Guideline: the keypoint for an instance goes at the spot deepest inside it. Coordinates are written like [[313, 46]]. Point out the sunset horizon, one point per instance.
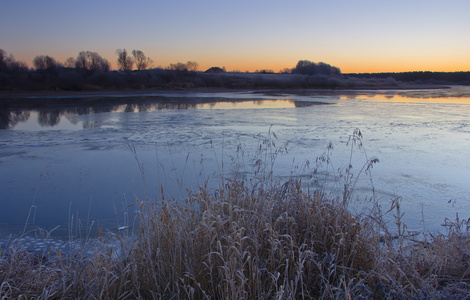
[[265, 149], [360, 37], [235, 65]]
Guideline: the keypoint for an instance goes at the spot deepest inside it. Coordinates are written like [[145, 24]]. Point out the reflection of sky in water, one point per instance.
[[260, 104], [423, 152], [455, 94], [249, 104], [408, 99], [66, 119]]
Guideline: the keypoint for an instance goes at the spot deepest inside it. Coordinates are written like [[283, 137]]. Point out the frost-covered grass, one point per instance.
[[249, 242], [252, 239]]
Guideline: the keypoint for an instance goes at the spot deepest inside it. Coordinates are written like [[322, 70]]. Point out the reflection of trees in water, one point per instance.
[[145, 107], [308, 103], [49, 118], [9, 119], [4, 119], [19, 116], [130, 108], [177, 106], [78, 111], [71, 118], [91, 124]]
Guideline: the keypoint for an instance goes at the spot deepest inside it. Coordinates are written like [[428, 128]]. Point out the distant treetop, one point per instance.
[[142, 62], [215, 70], [9, 64], [124, 61], [91, 61], [307, 67], [45, 63]]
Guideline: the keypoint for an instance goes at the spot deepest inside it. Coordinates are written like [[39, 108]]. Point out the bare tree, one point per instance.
[[45, 63], [12, 65], [81, 61], [69, 62], [3, 64], [192, 66], [142, 62], [178, 67], [188, 66], [91, 61], [95, 61], [8, 63], [125, 62]]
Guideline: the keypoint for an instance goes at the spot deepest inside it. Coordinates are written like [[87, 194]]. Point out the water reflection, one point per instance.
[[408, 98], [423, 149], [11, 118], [456, 94], [49, 112], [49, 118], [60, 112]]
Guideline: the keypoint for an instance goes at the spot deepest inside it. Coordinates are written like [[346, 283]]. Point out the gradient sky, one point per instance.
[[356, 36]]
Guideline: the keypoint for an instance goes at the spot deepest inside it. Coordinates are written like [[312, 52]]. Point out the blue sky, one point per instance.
[[356, 36]]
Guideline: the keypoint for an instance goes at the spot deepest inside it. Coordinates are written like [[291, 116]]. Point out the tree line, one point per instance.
[[90, 71], [420, 77], [93, 62], [9, 64], [89, 61]]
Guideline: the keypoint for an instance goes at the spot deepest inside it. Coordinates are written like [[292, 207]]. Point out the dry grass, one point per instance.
[[253, 241], [249, 242]]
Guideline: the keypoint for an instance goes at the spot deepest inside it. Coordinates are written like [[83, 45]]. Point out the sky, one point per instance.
[[362, 36]]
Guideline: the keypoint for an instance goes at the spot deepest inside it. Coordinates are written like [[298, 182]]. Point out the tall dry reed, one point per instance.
[[257, 240]]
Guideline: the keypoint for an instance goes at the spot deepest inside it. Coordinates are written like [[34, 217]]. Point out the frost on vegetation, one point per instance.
[[255, 239]]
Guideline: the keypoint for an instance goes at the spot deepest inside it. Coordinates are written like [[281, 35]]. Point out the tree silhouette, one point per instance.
[[125, 62], [142, 62], [178, 67], [192, 66], [69, 62], [45, 63], [9, 64], [307, 67], [188, 66], [91, 61], [3, 64]]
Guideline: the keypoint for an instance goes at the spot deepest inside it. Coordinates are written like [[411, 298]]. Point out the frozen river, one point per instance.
[[84, 160]]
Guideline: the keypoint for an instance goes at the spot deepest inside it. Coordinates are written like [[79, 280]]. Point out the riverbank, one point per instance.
[[81, 81], [251, 241], [33, 97], [249, 238]]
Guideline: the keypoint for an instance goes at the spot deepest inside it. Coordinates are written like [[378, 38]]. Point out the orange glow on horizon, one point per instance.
[[276, 65]]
